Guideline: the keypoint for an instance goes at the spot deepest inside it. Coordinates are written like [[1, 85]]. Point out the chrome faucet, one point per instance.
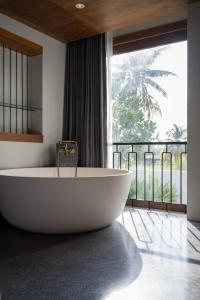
[[66, 148]]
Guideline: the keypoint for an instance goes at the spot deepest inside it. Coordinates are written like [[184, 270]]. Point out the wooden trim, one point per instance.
[[151, 32], [158, 205], [170, 33], [18, 43], [150, 42], [29, 138]]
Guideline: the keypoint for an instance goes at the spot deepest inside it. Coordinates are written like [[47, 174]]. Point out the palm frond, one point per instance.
[[156, 86], [159, 73]]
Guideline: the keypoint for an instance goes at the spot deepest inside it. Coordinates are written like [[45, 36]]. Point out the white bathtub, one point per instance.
[[35, 199]]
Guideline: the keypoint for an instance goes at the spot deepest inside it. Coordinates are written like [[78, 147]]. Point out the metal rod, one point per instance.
[[162, 170], [181, 179], [3, 88], [27, 79], [120, 159], [153, 192], [136, 176], [129, 154], [162, 156], [10, 88], [16, 129], [31, 108], [150, 143], [181, 174], [152, 154], [170, 176], [22, 73], [145, 176]]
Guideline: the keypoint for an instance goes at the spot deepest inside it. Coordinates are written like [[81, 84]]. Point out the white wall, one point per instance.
[[194, 112], [14, 154]]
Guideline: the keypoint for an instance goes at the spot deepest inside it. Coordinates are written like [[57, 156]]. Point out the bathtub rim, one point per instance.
[[119, 172]]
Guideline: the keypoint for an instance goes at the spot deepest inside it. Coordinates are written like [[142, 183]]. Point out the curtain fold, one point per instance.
[[85, 103]]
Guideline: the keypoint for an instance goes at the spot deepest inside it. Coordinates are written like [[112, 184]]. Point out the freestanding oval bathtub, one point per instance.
[[35, 199]]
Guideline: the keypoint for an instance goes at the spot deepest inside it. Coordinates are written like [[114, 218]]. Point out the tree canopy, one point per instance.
[[133, 100]]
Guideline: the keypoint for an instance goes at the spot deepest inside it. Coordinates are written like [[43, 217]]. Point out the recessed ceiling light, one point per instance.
[[80, 5]]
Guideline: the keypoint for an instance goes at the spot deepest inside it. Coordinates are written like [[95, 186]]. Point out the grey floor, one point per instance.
[[143, 255]]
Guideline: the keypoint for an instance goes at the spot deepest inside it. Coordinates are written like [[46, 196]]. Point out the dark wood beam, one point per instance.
[[16, 42], [157, 36]]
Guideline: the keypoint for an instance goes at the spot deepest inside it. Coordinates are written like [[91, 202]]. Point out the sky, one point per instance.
[[174, 107]]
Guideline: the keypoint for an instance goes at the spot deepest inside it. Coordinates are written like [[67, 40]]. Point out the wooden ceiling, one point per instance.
[[61, 20]]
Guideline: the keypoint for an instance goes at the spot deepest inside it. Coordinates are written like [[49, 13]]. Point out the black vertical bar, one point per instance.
[[170, 176], [120, 157], [162, 170], [129, 153], [162, 156], [152, 176], [136, 176], [129, 166], [153, 183], [181, 179], [10, 87], [3, 88], [144, 176], [152, 154], [27, 92], [16, 129], [129, 158], [181, 174], [22, 73]]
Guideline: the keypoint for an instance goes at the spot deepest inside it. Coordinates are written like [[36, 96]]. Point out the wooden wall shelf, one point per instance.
[[18, 43], [29, 138]]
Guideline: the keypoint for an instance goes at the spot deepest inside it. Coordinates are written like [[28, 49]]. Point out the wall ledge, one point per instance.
[[29, 138]]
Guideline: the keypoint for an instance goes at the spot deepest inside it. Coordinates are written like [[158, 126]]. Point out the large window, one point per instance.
[[149, 122], [149, 92]]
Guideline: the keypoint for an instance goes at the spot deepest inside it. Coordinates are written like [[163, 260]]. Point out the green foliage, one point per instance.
[[177, 133], [157, 190], [133, 102], [135, 76], [129, 122]]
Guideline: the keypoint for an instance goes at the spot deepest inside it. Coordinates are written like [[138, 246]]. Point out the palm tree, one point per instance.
[[135, 75], [177, 133]]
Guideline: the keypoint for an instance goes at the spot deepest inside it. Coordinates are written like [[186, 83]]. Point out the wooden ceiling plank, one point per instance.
[[61, 20]]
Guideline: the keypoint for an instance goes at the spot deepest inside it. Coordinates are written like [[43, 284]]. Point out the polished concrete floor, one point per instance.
[[143, 255]]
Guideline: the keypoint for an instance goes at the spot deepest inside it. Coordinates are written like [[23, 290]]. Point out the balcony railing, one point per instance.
[[159, 171]]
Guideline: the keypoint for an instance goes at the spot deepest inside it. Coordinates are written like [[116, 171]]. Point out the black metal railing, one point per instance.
[[159, 170], [14, 91]]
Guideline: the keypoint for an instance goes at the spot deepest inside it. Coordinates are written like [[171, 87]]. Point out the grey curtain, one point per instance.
[[85, 103]]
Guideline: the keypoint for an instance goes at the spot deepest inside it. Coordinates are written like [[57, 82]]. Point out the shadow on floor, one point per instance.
[[79, 266]]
